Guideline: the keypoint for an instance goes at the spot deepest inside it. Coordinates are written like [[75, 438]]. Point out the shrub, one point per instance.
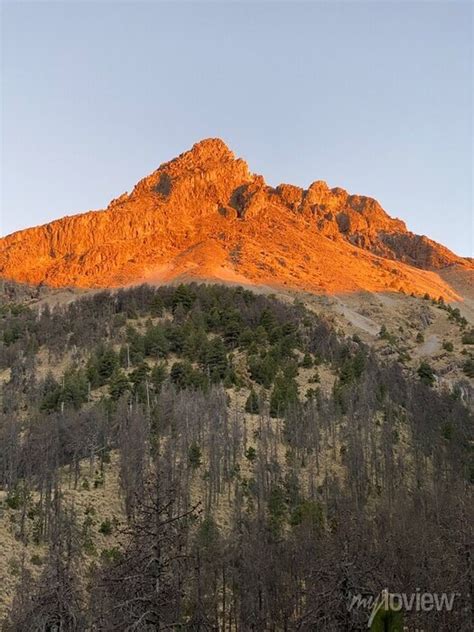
[[447, 431], [468, 367], [384, 334], [106, 527], [448, 346], [455, 315], [251, 454], [112, 555], [468, 337], [14, 566], [404, 356], [13, 499], [426, 374], [309, 512]]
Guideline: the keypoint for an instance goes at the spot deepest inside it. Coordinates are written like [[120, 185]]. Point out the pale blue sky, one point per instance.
[[373, 97]]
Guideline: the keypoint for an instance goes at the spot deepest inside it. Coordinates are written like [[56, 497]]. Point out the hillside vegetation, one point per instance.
[[205, 458]]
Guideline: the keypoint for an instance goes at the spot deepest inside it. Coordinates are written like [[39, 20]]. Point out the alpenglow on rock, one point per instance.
[[204, 215]]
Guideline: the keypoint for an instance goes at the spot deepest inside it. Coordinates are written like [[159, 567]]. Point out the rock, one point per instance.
[[190, 217]]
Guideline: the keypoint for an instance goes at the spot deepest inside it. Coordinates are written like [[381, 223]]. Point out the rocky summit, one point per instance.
[[205, 215]]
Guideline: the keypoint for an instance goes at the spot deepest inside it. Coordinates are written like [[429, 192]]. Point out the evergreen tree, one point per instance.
[[284, 393], [118, 385], [155, 342], [51, 394], [75, 388], [252, 404], [157, 306], [426, 374], [158, 376], [215, 360], [194, 455], [184, 296]]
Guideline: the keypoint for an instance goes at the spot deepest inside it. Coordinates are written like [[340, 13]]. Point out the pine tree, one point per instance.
[[119, 384], [426, 374], [194, 455], [252, 405]]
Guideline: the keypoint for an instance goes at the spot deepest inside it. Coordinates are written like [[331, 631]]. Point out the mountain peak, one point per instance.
[[211, 146], [204, 154], [205, 215], [209, 160]]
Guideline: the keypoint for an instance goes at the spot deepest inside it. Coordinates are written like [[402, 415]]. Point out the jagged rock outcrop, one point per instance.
[[205, 215]]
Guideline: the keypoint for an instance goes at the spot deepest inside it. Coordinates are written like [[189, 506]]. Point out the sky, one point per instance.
[[374, 97]]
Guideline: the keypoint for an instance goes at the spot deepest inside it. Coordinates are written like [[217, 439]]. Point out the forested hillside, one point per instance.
[[205, 458]]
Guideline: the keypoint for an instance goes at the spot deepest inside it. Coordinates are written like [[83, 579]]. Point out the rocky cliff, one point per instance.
[[205, 215]]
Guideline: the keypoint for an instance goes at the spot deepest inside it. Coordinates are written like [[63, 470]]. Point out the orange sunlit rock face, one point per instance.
[[204, 215]]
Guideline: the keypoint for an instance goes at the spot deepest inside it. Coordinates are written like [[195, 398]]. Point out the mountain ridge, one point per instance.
[[205, 215]]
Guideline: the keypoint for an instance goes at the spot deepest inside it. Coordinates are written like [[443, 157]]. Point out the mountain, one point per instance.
[[199, 456], [204, 215]]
